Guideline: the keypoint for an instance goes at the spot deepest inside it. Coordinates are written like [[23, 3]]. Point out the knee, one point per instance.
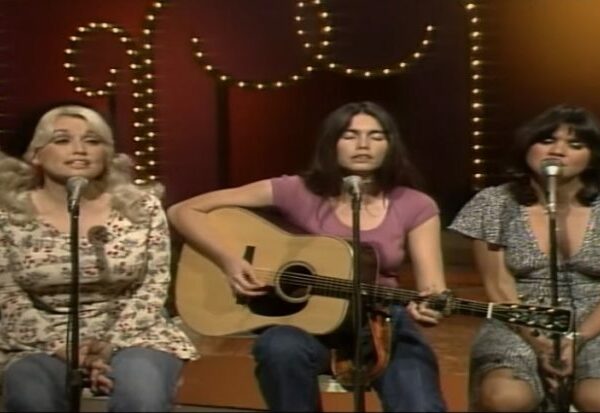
[[145, 380], [587, 398], [280, 343], [506, 399], [24, 379]]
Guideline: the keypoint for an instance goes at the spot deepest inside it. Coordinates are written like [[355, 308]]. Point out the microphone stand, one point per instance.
[[74, 379], [358, 387], [562, 396]]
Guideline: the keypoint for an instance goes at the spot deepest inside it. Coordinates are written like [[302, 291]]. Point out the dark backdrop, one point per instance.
[[535, 54]]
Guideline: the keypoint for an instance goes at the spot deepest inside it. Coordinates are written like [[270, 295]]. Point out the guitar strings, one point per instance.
[[343, 287]]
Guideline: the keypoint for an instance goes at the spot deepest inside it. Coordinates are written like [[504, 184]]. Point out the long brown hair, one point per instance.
[[324, 175]]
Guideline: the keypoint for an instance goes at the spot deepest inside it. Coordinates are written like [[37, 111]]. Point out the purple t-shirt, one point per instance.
[[408, 208]]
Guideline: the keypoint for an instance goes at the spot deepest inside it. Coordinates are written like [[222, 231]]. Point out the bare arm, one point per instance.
[[425, 250], [190, 219], [498, 281], [590, 327], [426, 255]]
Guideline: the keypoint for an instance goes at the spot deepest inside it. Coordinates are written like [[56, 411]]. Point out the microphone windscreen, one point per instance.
[[76, 182], [352, 184], [551, 167]]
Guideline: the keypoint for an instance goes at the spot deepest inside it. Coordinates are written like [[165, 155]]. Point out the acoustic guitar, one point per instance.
[[309, 279]]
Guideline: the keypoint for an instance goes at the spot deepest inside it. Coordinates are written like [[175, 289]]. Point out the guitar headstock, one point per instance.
[[555, 319]]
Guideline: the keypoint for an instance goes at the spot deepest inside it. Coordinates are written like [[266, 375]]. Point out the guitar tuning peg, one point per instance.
[[560, 300], [541, 299], [522, 296]]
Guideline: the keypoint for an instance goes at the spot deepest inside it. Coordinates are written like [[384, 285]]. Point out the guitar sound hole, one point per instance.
[[294, 282], [288, 297]]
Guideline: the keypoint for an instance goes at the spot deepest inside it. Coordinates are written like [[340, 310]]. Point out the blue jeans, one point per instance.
[[144, 380], [289, 361]]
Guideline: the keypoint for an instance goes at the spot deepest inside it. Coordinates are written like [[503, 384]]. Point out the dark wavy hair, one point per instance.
[[324, 175], [584, 125]]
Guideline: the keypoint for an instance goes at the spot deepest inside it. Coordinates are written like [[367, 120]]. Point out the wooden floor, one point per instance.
[[223, 377]]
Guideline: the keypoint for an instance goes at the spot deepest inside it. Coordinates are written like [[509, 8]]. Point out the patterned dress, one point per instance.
[[494, 216], [124, 279]]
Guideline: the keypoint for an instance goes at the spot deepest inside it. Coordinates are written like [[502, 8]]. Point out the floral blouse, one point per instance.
[[124, 279]]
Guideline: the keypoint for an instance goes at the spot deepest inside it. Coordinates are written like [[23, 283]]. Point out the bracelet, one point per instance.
[[572, 335], [578, 340]]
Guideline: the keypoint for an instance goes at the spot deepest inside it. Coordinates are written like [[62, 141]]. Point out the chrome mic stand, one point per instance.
[[563, 392]]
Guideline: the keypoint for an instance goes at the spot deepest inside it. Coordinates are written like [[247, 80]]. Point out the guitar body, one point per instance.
[[205, 300]]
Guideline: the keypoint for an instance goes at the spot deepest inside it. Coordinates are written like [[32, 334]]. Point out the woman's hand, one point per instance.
[[422, 313], [97, 365], [94, 358], [242, 279], [100, 382], [552, 368]]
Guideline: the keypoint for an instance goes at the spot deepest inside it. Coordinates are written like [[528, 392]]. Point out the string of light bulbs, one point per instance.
[[477, 108], [141, 65], [316, 45], [314, 49], [318, 52]]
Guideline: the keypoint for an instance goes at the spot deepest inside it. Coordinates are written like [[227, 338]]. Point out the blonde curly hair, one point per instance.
[[19, 177]]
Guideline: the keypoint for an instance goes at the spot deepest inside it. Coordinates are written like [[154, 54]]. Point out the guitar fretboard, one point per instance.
[[555, 319]]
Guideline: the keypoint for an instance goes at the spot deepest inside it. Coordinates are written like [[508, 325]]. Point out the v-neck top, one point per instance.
[[313, 214], [494, 216]]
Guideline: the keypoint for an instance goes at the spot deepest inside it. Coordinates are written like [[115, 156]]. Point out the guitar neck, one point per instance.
[[554, 319], [373, 293]]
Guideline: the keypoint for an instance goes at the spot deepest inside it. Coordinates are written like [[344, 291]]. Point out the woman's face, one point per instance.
[[73, 150], [362, 147], [564, 146]]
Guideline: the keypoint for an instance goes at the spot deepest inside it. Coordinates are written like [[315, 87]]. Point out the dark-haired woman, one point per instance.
[[511, 369], [356, 139]]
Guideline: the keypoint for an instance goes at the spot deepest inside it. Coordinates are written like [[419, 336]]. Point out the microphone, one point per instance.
[[551, 168], [75, 185], [352, 184]]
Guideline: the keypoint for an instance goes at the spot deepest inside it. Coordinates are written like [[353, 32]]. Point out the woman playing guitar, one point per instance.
[[356, 139]]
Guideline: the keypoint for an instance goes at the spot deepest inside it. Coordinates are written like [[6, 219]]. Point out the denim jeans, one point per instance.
[[288, 361], [144, 380]]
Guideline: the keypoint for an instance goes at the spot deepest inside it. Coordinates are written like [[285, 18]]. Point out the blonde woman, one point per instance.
[[128, 348]]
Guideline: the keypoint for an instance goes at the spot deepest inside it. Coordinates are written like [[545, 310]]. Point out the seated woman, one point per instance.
[[359, 139], [514, 369], [128, 348]]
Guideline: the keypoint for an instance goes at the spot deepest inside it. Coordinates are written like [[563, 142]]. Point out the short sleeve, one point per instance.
[[425, 208], [286, 191], [412, 207], [481, 217]]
